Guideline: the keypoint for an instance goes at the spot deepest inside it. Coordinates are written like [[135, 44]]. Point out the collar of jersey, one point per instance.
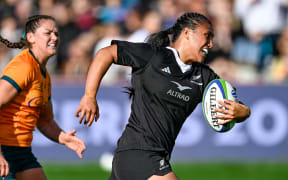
[[43, 72], [184, 67]]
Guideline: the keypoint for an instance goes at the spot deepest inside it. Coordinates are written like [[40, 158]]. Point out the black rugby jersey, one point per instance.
[[163, 96]]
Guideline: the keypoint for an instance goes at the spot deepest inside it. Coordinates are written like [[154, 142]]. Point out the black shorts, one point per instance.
[[139, 164], [19, 159]]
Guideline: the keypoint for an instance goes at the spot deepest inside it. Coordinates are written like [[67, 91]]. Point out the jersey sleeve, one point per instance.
[[208, 76], [17, 74], [136, 55]]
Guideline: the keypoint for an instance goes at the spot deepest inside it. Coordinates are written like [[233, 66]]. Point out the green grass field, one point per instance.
[[196, 171]]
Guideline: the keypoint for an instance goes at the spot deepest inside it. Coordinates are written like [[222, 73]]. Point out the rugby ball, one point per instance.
[[217, 89], [106, 160]]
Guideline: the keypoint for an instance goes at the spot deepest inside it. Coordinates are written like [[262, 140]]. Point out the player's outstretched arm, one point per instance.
[[88, 108], [51, 130], [232, 110]]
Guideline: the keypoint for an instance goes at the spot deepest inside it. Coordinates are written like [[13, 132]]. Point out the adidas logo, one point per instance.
[[166, 69]]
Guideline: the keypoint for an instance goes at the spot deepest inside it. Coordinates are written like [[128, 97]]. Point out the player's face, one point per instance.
[[45, 39], [200, 42]]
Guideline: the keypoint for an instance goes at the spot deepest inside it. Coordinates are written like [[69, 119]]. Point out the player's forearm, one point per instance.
[[244, 112], [46, 124], [101, 63], [51, 130]]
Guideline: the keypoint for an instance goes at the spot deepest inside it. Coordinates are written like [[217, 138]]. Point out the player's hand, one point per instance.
[[72, 142], [89, 110], [231, 110], [4, 167]]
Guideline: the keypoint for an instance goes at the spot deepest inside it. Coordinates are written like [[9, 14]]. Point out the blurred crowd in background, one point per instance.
[[250, 43]]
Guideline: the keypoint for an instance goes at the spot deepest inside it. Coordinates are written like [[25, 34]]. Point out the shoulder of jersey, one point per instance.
[[217, 89], [23, 56], [163, 55], [23, 60], [201, 65]]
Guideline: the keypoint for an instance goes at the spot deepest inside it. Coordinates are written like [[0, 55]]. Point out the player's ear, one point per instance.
[[186, 32], [30, 37]]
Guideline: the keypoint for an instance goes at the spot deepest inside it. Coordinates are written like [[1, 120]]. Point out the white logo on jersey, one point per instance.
[[166, 69], [180, 87], [162, 161], [178, 95], [194, 78], [162, 165]]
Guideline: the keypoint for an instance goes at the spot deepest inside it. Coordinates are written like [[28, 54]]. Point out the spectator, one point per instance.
[[278, 70], [23, 9], [221, 14], [261, 20], [132, 21], [8, 29], [151, 23], [68, 31], [83, 14], [112, 11], [79, 56], [169, 12], [7, 8], [46, 7]]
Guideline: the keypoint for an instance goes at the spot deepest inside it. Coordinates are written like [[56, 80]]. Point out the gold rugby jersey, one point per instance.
[[19, 117]]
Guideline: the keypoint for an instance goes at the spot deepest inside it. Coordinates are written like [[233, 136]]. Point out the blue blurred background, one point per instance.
[[250, 51]]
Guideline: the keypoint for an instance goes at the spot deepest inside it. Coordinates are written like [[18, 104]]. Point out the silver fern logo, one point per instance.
[[194, 80]]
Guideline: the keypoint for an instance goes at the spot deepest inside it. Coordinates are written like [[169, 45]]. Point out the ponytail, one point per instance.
[[160, 39], [22, 43]]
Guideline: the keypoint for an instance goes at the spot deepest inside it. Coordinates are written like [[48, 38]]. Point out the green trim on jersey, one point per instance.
[[11, 81]]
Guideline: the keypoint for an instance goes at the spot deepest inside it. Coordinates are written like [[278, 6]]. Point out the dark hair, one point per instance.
[[31, 25], [130, 91], [190, 20]]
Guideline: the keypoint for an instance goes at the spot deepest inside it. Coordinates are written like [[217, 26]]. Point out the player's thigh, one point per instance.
[[169, 176], [31, 174], [22, 161], [140, 165]]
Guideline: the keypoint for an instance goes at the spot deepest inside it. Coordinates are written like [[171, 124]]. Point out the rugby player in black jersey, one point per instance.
[[168, 81]]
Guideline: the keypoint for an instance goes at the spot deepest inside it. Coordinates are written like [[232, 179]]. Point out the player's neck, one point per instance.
[[39, 58]]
